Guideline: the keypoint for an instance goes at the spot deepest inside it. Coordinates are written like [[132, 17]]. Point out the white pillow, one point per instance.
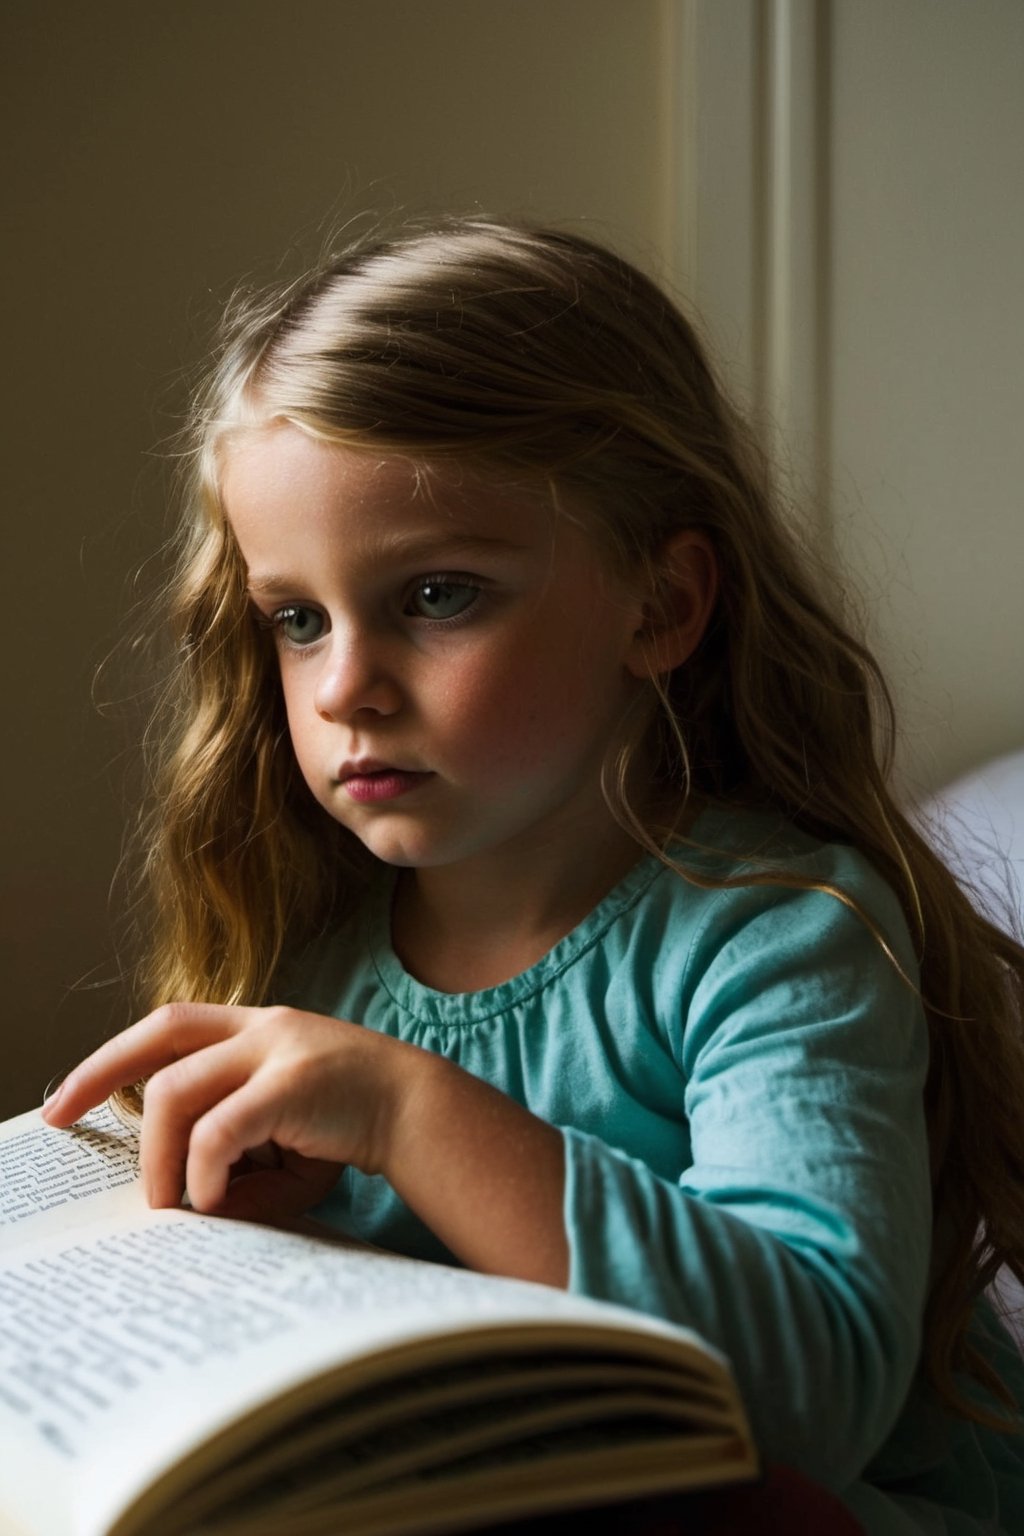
[[977, 824]]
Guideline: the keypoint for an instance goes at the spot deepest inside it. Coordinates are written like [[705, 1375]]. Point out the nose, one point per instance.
[[355, 676]]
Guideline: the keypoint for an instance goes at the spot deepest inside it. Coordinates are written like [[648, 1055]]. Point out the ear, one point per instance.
[[676, 616]]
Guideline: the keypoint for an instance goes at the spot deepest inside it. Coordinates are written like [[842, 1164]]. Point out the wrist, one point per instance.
[[482, 1172], [407, 1114]]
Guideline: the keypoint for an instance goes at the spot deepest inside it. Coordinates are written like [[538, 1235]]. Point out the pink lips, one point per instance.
[[368, 782]]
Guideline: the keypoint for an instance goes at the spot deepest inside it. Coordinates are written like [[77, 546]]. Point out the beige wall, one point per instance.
[[928, 359], [858, 206], [839, 184], [163, 150]]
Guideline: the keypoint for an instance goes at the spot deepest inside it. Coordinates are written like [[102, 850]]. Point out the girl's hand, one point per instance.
[[253, 1111], [226, 1086]]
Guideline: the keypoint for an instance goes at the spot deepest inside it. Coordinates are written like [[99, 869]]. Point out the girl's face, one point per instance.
[[455, 658]]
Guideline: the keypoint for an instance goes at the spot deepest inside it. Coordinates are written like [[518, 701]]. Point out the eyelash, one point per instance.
[[457, 579], [273, 624], [275, 621]]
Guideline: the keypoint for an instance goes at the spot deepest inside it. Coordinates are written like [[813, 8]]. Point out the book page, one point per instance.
[[129, 1344], [51, 1180]]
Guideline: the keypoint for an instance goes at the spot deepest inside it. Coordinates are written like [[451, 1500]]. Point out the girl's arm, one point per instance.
[[796, 1238], [484, 1174]]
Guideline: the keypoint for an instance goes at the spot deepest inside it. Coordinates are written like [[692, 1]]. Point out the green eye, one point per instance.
[[440, 599], [299, 625]]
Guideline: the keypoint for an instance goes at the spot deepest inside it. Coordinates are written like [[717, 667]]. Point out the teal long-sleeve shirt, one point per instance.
[[738, 1078]]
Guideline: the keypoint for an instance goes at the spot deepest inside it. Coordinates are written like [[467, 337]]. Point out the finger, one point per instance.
[[178, 1097], [239, 1120], [164, 1036]]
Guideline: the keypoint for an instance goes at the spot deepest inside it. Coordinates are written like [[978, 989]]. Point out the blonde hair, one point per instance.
[[536, 354]]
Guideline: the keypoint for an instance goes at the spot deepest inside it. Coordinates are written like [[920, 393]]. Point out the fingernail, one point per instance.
[[51, 1103]]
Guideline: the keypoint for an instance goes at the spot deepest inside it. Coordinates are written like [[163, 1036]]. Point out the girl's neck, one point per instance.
[[462, 929]]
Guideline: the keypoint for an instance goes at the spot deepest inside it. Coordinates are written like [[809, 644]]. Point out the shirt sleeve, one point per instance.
[[797, 1240]]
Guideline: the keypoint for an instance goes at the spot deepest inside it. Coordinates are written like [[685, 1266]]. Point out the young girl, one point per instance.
[[527, 886]]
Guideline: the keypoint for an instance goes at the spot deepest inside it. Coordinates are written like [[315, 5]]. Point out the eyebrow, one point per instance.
[[407, 549]]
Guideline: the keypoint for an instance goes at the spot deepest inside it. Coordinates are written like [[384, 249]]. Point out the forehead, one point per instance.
[[272, 463], [277, 480]]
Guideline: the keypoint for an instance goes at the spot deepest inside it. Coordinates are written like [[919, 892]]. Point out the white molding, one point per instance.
[[791, 387], [747, 222], [775, 385]]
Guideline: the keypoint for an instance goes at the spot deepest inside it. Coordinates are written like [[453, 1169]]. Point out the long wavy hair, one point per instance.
[[539, 355]]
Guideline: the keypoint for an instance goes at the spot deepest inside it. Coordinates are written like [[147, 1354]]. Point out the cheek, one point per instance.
[[518, 708]]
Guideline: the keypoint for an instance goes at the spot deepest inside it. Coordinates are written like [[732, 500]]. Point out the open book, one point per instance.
[[163, 1372]]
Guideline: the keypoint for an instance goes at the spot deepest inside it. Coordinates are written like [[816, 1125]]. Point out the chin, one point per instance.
[[411, 853], [404, 853]]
